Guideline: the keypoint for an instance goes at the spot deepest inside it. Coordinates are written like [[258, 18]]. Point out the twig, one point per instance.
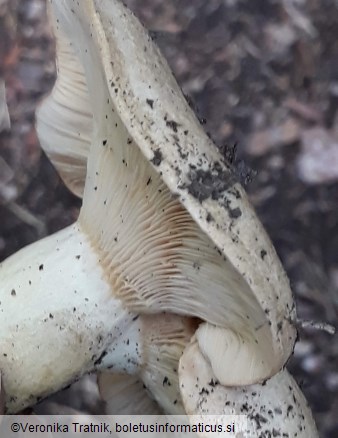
[[316, 325], [27, 217]]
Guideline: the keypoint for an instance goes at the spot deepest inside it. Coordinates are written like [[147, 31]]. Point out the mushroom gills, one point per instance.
[[155, 253], [126, 395], [164, 339], [164, 238], [64, 120]]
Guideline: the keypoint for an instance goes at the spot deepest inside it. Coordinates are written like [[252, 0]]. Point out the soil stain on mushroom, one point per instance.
[[157, 158], [212, 183]]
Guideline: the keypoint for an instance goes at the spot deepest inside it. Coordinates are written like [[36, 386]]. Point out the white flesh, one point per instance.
[[58, 318]]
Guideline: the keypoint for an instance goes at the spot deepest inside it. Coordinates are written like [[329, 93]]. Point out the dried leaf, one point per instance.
[[318, 161]]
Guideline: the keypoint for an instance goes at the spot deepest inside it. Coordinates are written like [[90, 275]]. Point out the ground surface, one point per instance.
[[264, 75]]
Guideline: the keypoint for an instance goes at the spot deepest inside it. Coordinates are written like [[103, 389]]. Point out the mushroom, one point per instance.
[[167, 259], [275, 407]]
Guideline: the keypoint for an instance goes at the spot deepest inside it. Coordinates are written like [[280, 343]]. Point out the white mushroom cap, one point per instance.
[[209, 241], [234, 357], [274, 408], [170, 228]]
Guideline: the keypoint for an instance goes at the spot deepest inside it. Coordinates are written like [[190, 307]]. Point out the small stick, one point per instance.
[[27, 217], [316, 325]]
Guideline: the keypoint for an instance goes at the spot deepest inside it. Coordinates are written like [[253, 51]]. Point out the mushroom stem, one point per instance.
[[59, 319]]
